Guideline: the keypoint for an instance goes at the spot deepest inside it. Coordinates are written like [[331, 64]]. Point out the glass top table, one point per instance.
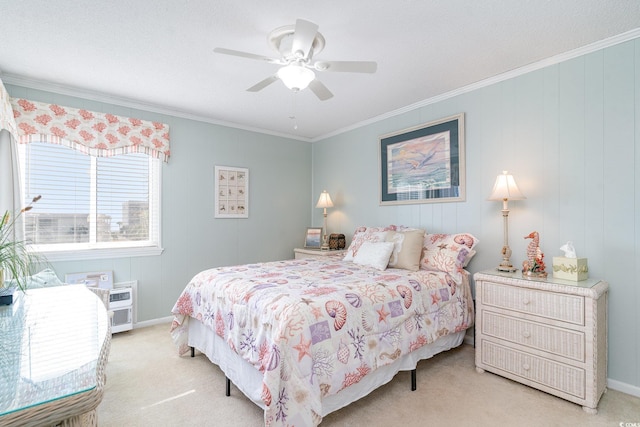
[[52, 341]]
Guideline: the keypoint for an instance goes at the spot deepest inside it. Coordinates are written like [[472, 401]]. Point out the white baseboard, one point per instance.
[[153, 322], [623, 387]]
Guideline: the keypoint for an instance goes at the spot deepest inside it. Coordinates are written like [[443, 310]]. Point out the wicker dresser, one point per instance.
[[549, 334]]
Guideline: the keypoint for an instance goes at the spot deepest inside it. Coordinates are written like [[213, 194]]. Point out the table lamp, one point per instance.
[[324, 202], [505, 189]]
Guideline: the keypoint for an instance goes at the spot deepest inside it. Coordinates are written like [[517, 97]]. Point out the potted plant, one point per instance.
[[16, 261]]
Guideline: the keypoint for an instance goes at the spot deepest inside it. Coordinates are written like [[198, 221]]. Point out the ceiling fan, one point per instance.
[[297, 44]]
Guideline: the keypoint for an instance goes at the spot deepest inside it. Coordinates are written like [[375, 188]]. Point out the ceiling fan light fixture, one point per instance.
[[295, 76]]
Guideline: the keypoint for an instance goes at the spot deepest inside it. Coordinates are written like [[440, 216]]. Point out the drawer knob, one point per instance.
[[526, 334], [526, 366], [526, 301]]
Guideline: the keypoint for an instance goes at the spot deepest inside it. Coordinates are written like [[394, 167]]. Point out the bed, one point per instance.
[[303, 338]]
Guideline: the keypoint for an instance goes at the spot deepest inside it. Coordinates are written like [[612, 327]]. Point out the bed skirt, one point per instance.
[[249, 380]]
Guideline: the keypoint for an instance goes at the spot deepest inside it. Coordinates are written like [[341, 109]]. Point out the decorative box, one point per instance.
[[336, 241], [575, 269]]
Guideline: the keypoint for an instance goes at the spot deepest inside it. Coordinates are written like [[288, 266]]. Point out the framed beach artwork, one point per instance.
[[424, 164], [313, 238], [232, 192]]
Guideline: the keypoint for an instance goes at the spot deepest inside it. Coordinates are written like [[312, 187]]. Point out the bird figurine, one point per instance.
[[534, 264]]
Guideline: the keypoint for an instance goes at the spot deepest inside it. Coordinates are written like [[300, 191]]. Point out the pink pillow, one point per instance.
[[365, 234], [448, 252]]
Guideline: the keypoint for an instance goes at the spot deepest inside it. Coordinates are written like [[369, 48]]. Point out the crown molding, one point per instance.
[[553, 60], [30, 83], [129, 103]]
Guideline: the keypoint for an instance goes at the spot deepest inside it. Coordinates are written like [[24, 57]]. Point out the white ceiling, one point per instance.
[[158, 54]]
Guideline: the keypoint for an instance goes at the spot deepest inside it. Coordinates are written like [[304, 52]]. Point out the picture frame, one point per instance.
[[96, 279], [313, 238], [423, 164], [231, 192]]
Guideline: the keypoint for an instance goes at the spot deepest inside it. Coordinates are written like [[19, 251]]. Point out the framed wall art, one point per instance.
[[423, 164], [232, 192], [313, 238]]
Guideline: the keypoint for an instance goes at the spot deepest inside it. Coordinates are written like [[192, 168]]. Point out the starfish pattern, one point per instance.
[[435, 297], [382, 315], [303, 348]]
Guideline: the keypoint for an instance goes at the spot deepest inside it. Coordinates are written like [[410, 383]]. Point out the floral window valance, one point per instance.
[[96, 134]]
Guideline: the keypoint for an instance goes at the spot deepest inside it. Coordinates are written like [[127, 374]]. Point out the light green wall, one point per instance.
[[570, 134], [193, 240]]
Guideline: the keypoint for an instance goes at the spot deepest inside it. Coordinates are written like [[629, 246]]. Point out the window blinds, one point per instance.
[[90, 201]]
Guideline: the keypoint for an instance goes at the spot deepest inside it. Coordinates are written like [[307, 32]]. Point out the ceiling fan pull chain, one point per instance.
[[293, 109]]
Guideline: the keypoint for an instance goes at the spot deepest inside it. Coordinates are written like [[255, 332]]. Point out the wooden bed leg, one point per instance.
[[193, 352], [228, 391], [413, 380]]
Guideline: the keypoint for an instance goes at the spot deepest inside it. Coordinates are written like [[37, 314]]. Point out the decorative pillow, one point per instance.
[[374, 255], [469, 256], [44, 279], [407, 248], [365, 234], [448, 252]]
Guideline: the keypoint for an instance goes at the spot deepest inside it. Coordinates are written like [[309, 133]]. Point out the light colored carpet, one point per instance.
[[149, 385]]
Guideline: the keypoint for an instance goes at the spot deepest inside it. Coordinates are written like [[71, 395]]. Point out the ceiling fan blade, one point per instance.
[[246, 55], [262, 84], [303, 36], [320, 90], [347, 66]]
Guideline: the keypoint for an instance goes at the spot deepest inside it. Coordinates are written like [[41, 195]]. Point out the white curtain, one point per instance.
[[10, 197]]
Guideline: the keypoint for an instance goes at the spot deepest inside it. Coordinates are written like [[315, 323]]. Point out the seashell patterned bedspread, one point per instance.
[[314, 327]]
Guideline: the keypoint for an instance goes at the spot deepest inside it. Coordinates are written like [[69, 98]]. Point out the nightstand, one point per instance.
[[300, 253], [549, 334]]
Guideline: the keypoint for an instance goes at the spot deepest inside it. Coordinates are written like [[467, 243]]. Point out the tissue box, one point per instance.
[[575, 269]]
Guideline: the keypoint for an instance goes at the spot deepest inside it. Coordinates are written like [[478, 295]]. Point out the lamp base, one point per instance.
[[505, 265], [325, 243]]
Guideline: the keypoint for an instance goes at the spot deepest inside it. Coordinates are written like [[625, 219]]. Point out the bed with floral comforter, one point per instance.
[[315, 327]]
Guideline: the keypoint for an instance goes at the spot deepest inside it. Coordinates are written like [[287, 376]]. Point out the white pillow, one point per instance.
[[374, 255]]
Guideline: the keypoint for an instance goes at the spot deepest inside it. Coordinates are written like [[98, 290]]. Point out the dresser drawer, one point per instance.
[[563, 307], [562, 342], [557, 376]]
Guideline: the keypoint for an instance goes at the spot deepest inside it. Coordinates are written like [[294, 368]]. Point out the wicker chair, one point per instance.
[[64, 412], [103, 294]]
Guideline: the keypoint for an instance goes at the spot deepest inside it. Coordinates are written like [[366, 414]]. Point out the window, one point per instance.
[[100, 206]]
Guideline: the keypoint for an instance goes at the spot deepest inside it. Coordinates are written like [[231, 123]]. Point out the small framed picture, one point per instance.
[[231, 192], [313, 238]]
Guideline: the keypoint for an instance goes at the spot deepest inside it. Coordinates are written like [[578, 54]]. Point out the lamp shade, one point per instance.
[[505, 188], [295, 76], [324, 201]]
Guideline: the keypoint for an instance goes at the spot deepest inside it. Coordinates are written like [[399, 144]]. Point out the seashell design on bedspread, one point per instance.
[[313, 327]]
